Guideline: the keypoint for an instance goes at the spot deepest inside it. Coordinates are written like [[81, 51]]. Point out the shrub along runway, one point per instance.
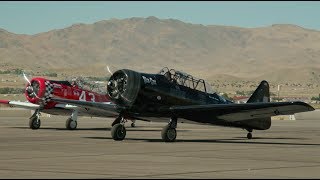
[[290, 149]]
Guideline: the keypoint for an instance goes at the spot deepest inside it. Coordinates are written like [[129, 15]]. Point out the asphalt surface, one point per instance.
[[290, 149]]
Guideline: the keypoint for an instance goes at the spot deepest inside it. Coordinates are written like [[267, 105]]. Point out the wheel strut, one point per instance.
[[34, 122]]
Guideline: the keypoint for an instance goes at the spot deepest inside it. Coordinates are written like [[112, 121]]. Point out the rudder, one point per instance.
[[261, 94]]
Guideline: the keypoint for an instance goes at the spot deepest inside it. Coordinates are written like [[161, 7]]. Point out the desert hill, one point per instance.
[[281, 52]]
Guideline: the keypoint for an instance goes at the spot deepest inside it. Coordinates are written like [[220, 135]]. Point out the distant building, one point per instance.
[[240, 99]]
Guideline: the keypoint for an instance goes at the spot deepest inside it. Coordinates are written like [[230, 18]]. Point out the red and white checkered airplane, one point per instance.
[[39, 92]]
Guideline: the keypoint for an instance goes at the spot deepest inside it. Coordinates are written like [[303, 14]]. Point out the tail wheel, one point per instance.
[[168, 134], [71, 124], [118, 132], [34, 123]]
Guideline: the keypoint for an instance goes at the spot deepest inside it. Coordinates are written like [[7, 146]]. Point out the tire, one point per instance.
[[133, 125], [249, 136], [168, 134], [34, 123], [118, 132], [71, 124]]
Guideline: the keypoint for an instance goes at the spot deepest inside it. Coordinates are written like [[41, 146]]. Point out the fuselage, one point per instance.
[[157, 93], [44, 89], [150, 96]]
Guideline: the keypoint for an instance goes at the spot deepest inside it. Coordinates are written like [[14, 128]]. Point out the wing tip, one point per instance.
[[308, 106], [4, 101]]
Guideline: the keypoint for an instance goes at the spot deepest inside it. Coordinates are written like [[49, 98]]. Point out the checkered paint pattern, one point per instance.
[[48, 93]]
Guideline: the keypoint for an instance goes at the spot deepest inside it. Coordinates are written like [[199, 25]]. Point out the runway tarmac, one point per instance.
[[290, 149]]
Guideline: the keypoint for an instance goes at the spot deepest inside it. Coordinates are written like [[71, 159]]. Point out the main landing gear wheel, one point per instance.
[[249, 135], [133, 125], [71, 124], [118, 132], [168, 134], [34, 123]]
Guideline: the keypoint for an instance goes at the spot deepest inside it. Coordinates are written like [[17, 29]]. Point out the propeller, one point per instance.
[[117, 85], [25, 77], [109, 70], [33, 88]]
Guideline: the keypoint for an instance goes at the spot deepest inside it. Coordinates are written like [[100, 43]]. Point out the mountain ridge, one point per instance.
[[148, 44]]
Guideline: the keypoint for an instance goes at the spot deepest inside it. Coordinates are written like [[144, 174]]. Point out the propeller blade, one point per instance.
[[31, 88], [25, 77], [109, 70]]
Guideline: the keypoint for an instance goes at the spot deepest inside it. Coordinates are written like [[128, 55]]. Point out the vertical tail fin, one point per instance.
[[261, 94]]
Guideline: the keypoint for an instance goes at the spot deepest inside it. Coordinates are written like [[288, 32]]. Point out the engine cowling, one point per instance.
[[39, 91], [124, 86]]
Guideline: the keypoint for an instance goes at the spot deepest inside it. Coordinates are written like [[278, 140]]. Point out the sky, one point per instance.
[[32, 17]]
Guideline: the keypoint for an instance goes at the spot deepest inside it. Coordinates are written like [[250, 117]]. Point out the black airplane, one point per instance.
[[172, 95]]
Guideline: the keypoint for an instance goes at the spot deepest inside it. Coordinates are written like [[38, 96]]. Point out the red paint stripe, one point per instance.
[[4, 101]]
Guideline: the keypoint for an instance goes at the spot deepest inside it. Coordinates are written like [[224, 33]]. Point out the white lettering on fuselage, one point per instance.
[[149, 81], [82, 97], [92, 97]]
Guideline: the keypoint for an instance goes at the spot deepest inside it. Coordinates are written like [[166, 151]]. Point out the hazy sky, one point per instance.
[[35, 17]]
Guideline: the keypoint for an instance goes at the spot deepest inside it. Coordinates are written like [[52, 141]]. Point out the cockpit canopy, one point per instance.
[[186, 80], [87, 84]]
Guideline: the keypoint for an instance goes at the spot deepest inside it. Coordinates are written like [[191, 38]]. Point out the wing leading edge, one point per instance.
[[107, 107], [26, 105]]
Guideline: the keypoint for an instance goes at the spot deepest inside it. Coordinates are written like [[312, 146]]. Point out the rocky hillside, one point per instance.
[[278, 52]]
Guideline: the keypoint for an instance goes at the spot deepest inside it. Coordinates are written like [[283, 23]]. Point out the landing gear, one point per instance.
[[116, 121], [34, 122], [133, 124], [249, 135], [169, 132], [71, 123], [118, 131]]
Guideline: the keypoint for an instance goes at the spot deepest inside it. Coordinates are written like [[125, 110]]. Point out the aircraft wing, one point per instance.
[[108, 107], [89, 109], [26, 105], [239, 112], [228, 112]]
